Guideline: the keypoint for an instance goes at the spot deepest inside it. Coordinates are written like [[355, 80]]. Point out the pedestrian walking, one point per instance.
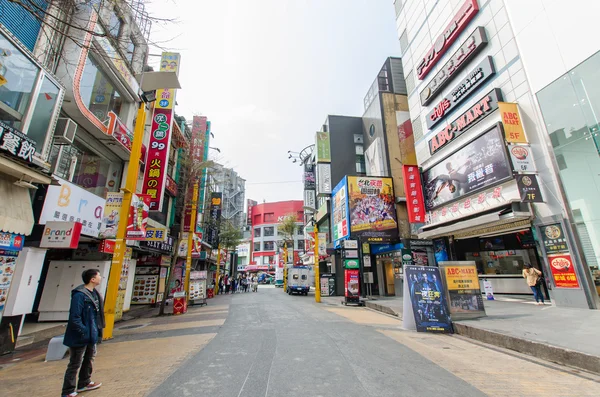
[[534, 279], [84, 331], [227, 284], [221, 285], [233, 285]]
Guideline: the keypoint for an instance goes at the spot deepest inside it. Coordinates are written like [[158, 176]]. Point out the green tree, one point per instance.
[[229, 236], [287, 228]]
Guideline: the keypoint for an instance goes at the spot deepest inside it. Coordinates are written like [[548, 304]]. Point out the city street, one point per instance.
[[272, 344]]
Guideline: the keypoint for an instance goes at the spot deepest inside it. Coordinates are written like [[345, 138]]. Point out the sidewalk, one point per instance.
[[566, 336]]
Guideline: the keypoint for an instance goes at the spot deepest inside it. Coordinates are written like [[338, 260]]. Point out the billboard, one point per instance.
[[479, 164], [324, 179], [216, 206], [323, 147], [310, 181], [157, 160], [339, 210], [250, 204], [372, 209]]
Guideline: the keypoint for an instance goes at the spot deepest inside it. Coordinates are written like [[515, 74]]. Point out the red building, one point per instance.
[[266, 218]]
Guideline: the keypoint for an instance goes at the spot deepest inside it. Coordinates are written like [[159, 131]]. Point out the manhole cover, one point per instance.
[[133, 326]]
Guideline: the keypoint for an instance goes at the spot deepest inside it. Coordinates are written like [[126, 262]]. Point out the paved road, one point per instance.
[[273, 344]]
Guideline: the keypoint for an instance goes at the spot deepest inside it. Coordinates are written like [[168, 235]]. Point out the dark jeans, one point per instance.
[[81, 359], [537, 293]]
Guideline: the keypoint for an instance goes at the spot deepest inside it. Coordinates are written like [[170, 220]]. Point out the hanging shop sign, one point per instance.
[[61, 235], [322, 246], [467, 51], [16, 143], [155, 234], [513, 126], [322, 211], [310, 181], [250, 203], [461, 92], [137, 220], [529, 188], [554, 239], [157, 160], [117, 129], [427, 299], [310, 200], [107, 246], [351, 263], [351, 254], [340, 211], [521, 157], [214, 216], [323, 179], [366, 261], [323, 147], [372, 209], [460, 21], [164, 246], [169, 62], [11, 241], [414, 193], [563, 271], [377, 249], [473, 204], [484, 107], [479, 164], [70, 203], [351, 244], [171, 186], [110, 219]]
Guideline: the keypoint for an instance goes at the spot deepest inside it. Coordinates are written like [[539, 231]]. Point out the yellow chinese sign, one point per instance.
[[513, 126], [169, 62], [462, 278]]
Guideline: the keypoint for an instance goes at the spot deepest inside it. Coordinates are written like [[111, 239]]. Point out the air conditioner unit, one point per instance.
[[65, 131]]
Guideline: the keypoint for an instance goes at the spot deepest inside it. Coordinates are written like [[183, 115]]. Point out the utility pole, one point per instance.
[[317, 278], [190, 242], [218, 268]]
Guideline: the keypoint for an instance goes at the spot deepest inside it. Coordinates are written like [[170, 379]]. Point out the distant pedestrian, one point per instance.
[[233, 285], [84, 330], [227, 284], [221, 285], [534, 279]]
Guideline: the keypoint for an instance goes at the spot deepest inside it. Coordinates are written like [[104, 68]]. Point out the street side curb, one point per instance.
[[536, 349], [381, 308]]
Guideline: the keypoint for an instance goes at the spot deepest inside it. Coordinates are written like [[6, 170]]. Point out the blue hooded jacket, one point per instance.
[[86, 318]]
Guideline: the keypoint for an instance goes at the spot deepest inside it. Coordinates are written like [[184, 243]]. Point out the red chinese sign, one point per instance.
[[414, 194], [563, 271], [460, 21], [171, 186], [157, 162], [107, 246], [138, 217]]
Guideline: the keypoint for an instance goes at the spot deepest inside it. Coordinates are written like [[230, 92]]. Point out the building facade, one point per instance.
[[505, 138], [227, 181]]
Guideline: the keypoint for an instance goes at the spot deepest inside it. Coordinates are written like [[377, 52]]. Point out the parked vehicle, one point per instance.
[[298, 280]]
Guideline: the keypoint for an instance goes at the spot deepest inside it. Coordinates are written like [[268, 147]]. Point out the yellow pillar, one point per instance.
[[190, 247], [112, 288], [317, 278]]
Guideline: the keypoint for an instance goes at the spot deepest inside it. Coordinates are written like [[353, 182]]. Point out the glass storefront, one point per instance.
[[571, 111], [97, 91]]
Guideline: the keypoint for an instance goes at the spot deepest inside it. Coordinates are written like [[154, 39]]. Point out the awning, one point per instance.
[[16, 214], [495, 223], [21, 172]]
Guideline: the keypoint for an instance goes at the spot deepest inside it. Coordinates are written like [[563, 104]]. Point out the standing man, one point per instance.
[[84, 330]]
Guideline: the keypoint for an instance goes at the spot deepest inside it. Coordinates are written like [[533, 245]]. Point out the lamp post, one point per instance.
[[317, 275], [153, 81]]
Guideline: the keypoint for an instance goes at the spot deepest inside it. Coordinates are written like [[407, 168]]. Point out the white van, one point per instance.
[[298, 280]]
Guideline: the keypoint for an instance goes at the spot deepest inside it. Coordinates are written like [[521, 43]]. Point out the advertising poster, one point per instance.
[[8, 261], [138, 217], [352, 284], [323, 147], [324, 286], [563, 271], [529, 189], [428, 299], [11, 241], [144, 289], [464, 293], [110, 219], [439, 250], [341, 229], [481, 163], [513, 127], [372, 208]]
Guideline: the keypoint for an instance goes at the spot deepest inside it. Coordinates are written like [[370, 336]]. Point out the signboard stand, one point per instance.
[[408, 319], [461, 284]]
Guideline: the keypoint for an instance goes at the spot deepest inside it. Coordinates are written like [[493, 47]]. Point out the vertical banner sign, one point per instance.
[[202, 219], [215, 217], [155, 174], [427, 299], [352, 284], [340, 211], [251, 204], [138, 217], [323, 147], [197, 155], [563, 271], [414, 193], [323, 179], [110, 219], [529, 188], [513, 127]]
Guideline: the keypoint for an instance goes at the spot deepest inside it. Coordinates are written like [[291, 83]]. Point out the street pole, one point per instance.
[[191, 233], [112, 288], [317, 278], [218, 267]]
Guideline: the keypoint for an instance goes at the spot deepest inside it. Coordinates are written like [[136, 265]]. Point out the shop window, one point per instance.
[[20, 74], [130, 49], [269, 231], [571, 109], [270, 217], [269, 245], [43, 113], [256, 247], [301, 245], [300, 230], [97, 92], [115, 24], [257, 232]]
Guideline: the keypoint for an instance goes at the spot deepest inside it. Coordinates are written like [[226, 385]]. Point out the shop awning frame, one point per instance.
[[16, 213]]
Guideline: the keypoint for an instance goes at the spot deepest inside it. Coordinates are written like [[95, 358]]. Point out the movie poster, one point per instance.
[[372, 209], [428, 299], [480, 164]]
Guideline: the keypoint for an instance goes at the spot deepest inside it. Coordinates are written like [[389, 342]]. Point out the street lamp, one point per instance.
[[316, 261], [149, 82]]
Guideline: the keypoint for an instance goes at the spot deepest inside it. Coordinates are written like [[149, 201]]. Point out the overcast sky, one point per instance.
[[266, 73]]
